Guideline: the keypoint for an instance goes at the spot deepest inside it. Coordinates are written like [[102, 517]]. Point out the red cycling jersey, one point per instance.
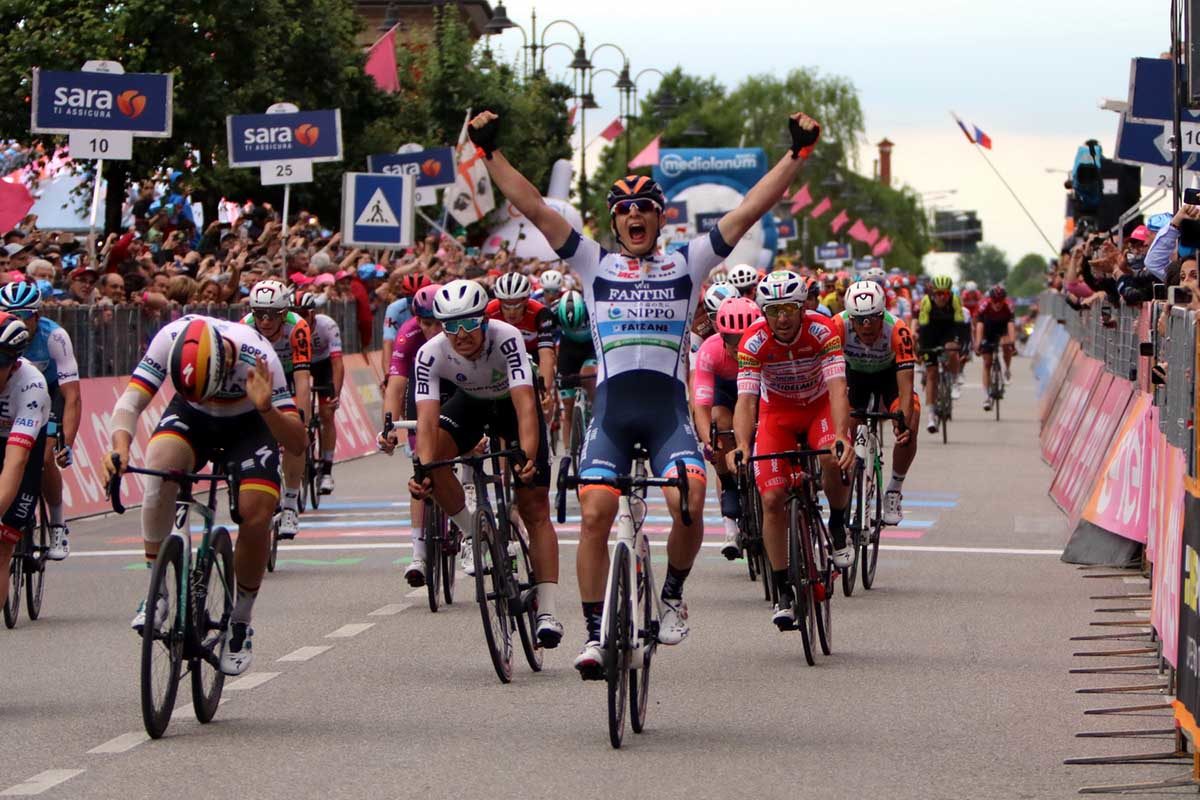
[[971, 300], [536, 324], [993, 313]]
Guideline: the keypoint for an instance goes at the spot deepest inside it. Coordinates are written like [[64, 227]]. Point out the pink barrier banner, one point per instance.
[[1092, 438], [1122, 501], [1068, 408], [1167, 527], [1057, 381]]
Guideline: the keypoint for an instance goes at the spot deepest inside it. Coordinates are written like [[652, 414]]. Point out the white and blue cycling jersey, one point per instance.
[[398, 312], [51, 352]]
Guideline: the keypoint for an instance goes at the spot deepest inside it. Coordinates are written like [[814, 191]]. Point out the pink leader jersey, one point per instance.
[[712, 361]]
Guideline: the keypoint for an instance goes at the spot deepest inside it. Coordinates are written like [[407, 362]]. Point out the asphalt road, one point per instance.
[[949, 680]]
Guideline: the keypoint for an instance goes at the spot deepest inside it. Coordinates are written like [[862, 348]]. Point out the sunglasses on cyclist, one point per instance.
[[790, 309], [23, 313], [732, 339], [466, 325], [267, 315], [623, 207], [869, 318]]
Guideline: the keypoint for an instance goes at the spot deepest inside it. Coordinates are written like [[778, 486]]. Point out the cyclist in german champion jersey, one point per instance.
[[642, 302], [51, 352], [231, 403], [486, 360], [791, 387], [536, 324], [24, 413], [271, 315], [576, 357], [994, 325], [880, 361], [328, 375]]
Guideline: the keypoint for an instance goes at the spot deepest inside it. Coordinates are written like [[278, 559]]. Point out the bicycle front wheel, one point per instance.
[[617, 643], [527, 619], [857, 526], [433, 552], [313, 468], [803, 605], [274, 552], [873, 520], [489, 593], [12, 603], [639, 675], [451, 543], [35, 565], [162, 638], [821, 578], [214, 605]]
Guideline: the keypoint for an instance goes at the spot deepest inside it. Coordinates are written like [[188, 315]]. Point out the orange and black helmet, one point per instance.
[[636, 187]]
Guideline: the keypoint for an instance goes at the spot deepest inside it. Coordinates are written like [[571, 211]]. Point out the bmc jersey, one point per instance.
[[293, 342], [51, 352], [641, 309], [893, 349], [326, 339], [398, 312], [790, 374], [502, 363], [712, 362], [536, 324], [231, 399], [992, 313], [24, 405]]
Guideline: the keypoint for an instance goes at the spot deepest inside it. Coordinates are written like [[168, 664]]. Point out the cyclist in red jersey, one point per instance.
[[792, 382], [994, 324], [971, 297], [536, 324]]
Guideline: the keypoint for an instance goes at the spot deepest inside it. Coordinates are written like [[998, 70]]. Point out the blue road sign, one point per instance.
[[433, 168], [832, 252], [135, 102], [256, 139], [377, 209], [1151, 92]]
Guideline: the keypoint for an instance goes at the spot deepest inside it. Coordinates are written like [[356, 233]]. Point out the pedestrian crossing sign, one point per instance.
[[377, 209]]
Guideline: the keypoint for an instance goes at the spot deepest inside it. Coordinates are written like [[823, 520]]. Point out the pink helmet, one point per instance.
[[422, 301], [736, 314]]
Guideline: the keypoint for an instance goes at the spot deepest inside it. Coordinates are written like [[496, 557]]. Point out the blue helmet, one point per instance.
[[20, 296]]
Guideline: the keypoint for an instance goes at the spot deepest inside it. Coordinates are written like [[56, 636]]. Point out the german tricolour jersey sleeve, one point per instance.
[[151, 371]]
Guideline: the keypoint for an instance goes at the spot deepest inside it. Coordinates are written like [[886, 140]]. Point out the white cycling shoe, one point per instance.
[[987, 404], [673, 627], [955, 392], [327, 484], [237, 652], [843, 557], [414, 573], [932, 425], [892, 513], [549, 631], [784, 617], [730, 549], [60, 548], [590, 662], [289, 523], [160, 614], [468, 556]]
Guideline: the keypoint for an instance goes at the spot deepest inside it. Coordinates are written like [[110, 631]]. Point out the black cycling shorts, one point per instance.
[[725, 392], [22, 514], [468, 418], [573, 356], [939, 334], [862, 386], [322, 378], [993, 332]]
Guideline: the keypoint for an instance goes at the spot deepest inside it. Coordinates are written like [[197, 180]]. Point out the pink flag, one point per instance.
[[381, 62], [821, 207], [872, 236], [801, 199], [614, 129], [571, 114], [883, 248], [859, 231], [649, 155], [839, 221]]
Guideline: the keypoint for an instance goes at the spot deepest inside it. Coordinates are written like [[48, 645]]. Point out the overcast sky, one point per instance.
[[1031, 73]]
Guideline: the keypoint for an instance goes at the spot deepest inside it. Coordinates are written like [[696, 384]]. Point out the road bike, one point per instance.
[[632, 606], [581, 414], [27, 568], [810, 569], [866, 495], [996, 380], [749, 522], [310, 485], [504, 579], [944, 402], [189, 601]]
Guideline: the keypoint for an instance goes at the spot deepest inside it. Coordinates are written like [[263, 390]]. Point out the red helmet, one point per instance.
[[736, 314], [997, 292], [422, 301], [413, 282]]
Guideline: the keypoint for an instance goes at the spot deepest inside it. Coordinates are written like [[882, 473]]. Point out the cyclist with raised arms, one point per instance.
[[536, 324], [880, 361], [642, 302], [328, 377], [576, 356], [230, 394], [51, 352], [487, 362], [940, 322], [714, 396], [792, 386], [24, 413]]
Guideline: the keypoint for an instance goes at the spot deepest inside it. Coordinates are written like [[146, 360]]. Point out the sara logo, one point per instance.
[[79, 102], [281, 136], [431, 167]]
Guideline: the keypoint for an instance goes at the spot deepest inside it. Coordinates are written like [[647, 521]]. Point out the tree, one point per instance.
[[986, 266], [1028, 277]]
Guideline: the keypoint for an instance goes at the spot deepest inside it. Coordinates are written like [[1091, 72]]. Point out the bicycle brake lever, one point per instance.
[[114, 487], [685, 515]]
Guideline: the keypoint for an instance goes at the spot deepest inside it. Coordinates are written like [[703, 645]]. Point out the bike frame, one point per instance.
[[630, 536]]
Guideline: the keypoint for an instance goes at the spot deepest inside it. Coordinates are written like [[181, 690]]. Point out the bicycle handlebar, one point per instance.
[[894, 416], [791, 455], [623, 484], [421, 471], [113, 490]]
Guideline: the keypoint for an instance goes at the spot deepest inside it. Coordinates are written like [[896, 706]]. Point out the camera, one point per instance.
[[1179, 295]]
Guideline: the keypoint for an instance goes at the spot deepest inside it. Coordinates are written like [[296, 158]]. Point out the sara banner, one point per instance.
[[137, 102], [256, 139], [433, 168]]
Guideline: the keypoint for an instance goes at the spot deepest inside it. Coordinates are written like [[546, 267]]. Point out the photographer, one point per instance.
[[1163, 251]]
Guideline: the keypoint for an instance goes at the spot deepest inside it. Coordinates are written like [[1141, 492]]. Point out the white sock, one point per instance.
[[418, 543], [896, 484], [56, 514], [545, 599], [731, 528], [291, 498], [463, 520]]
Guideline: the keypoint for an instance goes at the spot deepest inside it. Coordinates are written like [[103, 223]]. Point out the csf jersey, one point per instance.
[[231, 400], [501, 365], [894, 349], [326, 339], [24, 405], [293, 342], [793, 374], [51, 352], [536, 325], [641, 308]]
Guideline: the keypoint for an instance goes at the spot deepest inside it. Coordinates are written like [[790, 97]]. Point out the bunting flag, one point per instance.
[[839, 221], [614, 129], [649, 155], [800, 199], [858, 231], [821, 208], [883, 248], [381, 62], [872, 237]]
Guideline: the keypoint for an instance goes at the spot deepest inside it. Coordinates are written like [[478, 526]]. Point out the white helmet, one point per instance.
[[743, 276], [460, 298], [865, 298], [781, 286], [513, 286], [552, 280], [971, 286], [718, 275], [716, 294], [271, 294], [875, 274]]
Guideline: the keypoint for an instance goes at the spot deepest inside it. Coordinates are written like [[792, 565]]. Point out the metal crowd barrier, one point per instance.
[[109, 340]]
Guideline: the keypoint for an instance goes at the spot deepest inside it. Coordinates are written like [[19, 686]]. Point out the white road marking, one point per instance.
[[995, 551], [121, 744], [422, 591], [347, 631], [1142, 614], [41, 782], [250, 681], [305, 653], [1134, 580], [389, 610]]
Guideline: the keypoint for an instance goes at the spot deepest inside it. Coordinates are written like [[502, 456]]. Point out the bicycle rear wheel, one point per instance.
[[527, 619], [578, 429], [162, 638], [803, 605], [856, 526], [313, 472], [639, 675], [431, 530], [873, 513], [214, 604], [617, 641], [489, 593], [821, 578], [16, 572], [35, 564]]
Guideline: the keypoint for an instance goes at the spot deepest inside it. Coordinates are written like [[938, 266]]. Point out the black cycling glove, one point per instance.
[[802, 139], [484, 137]]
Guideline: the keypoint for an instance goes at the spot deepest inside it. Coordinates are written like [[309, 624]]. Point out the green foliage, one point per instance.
[[1028, 277], [986, 266]]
